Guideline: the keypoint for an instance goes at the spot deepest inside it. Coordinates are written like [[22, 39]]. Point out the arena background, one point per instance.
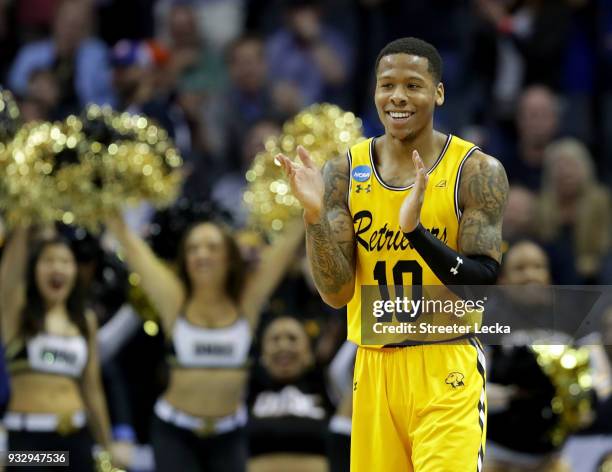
[[530, 81]]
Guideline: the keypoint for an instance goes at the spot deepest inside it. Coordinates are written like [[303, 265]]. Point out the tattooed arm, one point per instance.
[[482, 196], [330, 240], [483, 190]]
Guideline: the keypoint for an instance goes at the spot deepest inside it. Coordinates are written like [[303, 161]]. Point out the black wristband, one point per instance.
[[448, 265]]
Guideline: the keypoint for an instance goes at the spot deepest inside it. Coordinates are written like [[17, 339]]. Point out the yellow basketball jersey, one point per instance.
[[384, 256]]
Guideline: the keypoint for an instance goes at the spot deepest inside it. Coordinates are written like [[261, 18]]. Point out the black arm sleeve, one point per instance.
[[449, 266]]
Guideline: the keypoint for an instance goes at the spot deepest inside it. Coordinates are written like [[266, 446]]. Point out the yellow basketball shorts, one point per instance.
[[419, 408]]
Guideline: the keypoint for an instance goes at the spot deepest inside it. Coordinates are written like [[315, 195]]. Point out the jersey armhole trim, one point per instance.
[[350, 183], [458, 211]]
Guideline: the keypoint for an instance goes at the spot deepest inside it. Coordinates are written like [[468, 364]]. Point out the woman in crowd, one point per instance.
[[208, 312], [289, 409], [574, 213], [57, 400], [519, 391]]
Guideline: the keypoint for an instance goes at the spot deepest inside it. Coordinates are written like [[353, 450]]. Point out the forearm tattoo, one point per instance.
[[330, 242]]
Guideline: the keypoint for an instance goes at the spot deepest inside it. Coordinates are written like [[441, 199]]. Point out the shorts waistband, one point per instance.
[[459, 341], [201, 426], [45, 422]]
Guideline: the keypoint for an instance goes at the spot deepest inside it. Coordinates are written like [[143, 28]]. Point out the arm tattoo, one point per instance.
[[484, 189], [331, 241]]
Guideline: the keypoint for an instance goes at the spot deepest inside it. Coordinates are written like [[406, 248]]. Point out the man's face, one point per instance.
[[406, 95], [538, 117], [71, 25], [127, 79], [183, 27], [518, 215], [247, 66]]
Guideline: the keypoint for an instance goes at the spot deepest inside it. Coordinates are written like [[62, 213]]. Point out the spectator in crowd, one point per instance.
[[138, 73], [78, 61], [41, 101], [248, 98], [519, 214], [574, 213], [309, 62], [219, 21], [532, 36], [537, 122], [194, 65], [144, 85], [228, 190], [288, 403], [518, 390], [198, 74]]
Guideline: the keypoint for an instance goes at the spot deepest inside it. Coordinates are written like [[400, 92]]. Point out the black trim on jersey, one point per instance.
[[458, 211], [482, 412], [349, 156], [390, 187]]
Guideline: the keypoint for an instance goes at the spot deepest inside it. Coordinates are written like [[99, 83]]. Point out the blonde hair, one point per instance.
[[591, 228]]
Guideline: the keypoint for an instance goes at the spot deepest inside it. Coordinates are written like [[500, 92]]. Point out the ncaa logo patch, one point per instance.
[[361, 173]]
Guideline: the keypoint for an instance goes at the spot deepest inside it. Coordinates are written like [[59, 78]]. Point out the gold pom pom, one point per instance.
[[326, 131], [29, 193], [80, 171], [569, 371], [132, 160]]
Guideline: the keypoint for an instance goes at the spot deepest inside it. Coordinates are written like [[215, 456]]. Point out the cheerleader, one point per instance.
[[57, 401], [208, 311]]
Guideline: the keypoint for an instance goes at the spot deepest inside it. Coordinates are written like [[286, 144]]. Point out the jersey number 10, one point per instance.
[[399, 269]]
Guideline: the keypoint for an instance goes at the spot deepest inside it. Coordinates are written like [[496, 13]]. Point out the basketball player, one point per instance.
[[366, 217]]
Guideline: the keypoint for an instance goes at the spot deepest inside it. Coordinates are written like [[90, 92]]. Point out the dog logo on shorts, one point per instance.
[[455, 379]]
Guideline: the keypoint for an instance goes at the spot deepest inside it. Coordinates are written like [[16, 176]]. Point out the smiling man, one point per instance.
[[366, 217]]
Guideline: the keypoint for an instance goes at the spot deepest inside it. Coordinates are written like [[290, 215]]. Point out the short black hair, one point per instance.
[[414, 47]]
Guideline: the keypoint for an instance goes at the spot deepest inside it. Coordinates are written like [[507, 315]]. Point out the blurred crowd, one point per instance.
[[530, 81]]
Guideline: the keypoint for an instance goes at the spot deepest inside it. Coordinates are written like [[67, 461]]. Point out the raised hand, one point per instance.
[[410, 211], [306, 183]]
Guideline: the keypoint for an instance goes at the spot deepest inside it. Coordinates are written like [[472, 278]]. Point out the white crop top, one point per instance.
[[52, 354], [195, 346]]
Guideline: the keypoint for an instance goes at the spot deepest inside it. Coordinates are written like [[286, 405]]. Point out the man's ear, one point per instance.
[[440, 94]]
